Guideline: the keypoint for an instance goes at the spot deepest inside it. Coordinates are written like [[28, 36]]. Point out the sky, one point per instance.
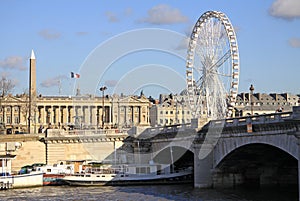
[[133, 46]]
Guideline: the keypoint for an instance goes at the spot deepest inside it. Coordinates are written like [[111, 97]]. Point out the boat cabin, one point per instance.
[[5, 164]]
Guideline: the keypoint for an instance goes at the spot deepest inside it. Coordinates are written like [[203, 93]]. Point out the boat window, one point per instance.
[[48, 170], [98, 176], [112, 175], [88, 175], [103, 175]]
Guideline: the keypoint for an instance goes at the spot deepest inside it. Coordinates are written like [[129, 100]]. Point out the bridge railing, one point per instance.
[[152, 131], [258, 119], [70, 133]]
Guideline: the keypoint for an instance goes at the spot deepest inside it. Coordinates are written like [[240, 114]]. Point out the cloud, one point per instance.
[[128, 12], [286, 9], [112, 17], [111, 83], [164, 14], [55, 81], [49, 34], [183, 45], [81, 33], [294, 42], [13, 62]]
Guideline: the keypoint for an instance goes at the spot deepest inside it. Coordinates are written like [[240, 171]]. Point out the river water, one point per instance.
[[145, 193]]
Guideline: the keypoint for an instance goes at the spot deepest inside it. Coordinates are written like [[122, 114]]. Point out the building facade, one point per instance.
[[73, 112], [29, 113], [170, 110], [262, 103]]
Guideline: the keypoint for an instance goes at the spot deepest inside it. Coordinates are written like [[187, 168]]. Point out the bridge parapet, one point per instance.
[[150, 132], [80, 136], [258, 119]]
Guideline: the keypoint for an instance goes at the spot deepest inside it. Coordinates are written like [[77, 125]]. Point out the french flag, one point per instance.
[[75, 75]]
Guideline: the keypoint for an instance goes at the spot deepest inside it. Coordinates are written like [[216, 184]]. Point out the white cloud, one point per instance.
[[112, 17], [82, 33], [294, 42], [13, 62], [49, 34], [51, 82], [128, 12], [164, 14], [111, 83], [286, 9]]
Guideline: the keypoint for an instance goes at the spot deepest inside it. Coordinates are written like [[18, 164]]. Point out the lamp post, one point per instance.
[[103, 89], [251, 98]]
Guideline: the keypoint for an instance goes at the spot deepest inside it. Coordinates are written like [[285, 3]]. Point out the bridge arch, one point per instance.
[[178, 156], [160, 145], [225, 146]]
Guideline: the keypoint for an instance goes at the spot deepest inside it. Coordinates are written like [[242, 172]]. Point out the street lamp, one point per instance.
[[251, 98], [103, 89]]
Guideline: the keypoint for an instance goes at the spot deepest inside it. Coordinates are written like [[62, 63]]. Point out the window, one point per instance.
[[8, 120], [17, 120]]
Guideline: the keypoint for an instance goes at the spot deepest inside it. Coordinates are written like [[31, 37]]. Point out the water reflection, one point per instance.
[[149, 193]]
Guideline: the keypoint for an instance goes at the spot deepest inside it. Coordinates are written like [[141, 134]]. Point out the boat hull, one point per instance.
[[22, 180], [53, 179], [120, 181]]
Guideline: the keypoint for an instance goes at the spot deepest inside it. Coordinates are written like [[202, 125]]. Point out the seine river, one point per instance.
[[141, 193]]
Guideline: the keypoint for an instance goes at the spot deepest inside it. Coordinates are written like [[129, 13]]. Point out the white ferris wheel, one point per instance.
[[212, 68]]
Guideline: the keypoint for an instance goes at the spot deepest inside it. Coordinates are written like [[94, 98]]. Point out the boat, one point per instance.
[[134, 174], [9, 180], [53, 174]]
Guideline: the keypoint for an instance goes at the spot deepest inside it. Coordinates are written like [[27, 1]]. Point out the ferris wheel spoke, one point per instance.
[[222, 74], [222, 60]]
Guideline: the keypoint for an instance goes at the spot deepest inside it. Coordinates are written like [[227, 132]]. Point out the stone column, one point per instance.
[[203, 167], [4, 115], [93, 117], [87, 113], [12, 116], [19, 114], [43, 115], [110, 114], [51, 115], [125, 115], [71, 115], [57, 115], [140, 114]]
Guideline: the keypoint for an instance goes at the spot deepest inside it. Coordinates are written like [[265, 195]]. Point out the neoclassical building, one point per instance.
[[31, 113], [169, 110], [73, 112], [262, 103]]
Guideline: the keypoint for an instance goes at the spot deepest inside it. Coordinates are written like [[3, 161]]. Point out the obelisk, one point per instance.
[[32, 90]]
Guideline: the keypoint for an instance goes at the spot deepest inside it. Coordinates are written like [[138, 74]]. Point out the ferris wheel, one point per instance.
[[212, 68]]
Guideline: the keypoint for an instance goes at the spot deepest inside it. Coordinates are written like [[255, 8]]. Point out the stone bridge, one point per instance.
[[258, 150]]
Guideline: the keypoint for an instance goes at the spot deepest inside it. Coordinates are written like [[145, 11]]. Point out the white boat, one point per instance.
[[130, 174], [53, 174], [8, 180]]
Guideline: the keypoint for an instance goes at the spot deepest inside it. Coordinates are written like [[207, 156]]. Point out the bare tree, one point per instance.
[[6, 85]]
